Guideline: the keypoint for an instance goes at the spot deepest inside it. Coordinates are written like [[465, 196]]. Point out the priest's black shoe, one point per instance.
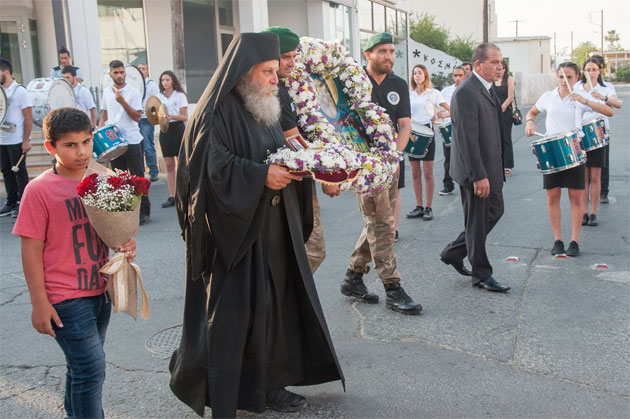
[[353, 286], [398, 300], [458, 265], [491, 285], [284, 401]]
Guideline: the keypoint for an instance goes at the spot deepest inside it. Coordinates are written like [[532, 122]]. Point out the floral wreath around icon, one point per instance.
[[365, 172]]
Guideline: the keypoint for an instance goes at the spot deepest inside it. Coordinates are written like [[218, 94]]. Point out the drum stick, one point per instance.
[[590, 82], [16, 168], [538, 133]]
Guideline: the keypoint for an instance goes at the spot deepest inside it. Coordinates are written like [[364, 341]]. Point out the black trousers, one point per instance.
[[133, 161], [448, 180], [14, 183], [605, 172], [480, 216]]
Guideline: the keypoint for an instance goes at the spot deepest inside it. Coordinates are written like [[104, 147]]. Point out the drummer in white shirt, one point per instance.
[[565, 111], [593, 84], [85, 102], [459, 74], [122, 106], [172, 95], [424, 99]]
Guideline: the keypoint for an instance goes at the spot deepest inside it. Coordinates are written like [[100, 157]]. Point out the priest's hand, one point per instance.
[[278, 177]]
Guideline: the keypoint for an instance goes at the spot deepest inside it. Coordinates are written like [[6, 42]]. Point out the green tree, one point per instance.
[[582, 52], [612, 37], [461, 48], [423, 29]]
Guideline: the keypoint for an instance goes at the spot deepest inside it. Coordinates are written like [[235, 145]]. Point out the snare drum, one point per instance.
[[559, 152], [108, 144], [446, 130], [419, 141], [48, 94], [594, 134]]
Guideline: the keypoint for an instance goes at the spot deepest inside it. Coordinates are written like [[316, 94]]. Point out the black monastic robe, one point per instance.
[[252, 318]]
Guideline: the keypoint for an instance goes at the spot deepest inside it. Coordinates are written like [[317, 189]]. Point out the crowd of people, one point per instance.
[[253, 323]]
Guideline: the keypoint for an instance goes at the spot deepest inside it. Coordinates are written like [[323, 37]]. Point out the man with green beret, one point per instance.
[[376, 242], [315, 246]]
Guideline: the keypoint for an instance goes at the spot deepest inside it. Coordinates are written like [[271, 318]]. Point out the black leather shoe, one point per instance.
[[585, 219], [491, 285], [558, 248], [592, 220], [458, 265], [398, 300], [144, 218], [417, 212], [170, 202], [284, 401], [353, 286], [603, 198]]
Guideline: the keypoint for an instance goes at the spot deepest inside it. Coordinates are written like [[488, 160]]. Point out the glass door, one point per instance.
[[10, 47]]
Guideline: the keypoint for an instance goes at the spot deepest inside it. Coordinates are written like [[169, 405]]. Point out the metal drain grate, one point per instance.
[[162, 344]]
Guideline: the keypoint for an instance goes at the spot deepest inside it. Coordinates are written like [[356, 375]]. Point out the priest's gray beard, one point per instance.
[[260, 101]]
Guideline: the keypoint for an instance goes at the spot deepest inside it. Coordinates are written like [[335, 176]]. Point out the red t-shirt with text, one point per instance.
[[51, 210]]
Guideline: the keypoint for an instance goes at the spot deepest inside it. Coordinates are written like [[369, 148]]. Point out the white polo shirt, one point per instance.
[[608, 90], [151, 89], [116, 115], [174, 103], [562, 115], [447, 94], [85, 102], [18, 99], [423, 105]]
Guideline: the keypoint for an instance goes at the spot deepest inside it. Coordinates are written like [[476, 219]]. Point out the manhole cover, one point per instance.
[[162, 344]]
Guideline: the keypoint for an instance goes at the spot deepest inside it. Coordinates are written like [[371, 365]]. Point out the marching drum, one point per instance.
[[419, 141], [595, 135], [559, 152], [447, 131], [48, 94], [133, 77], [108, 144]]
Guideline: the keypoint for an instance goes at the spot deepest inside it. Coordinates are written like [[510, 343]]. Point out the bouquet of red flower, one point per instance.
[[111, 202]]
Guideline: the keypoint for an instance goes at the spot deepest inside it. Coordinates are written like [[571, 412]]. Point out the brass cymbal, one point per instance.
[[163, 118], [151, 109]]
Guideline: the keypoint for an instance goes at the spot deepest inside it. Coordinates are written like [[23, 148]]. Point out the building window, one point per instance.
[[340, 25], [375, 17], [121, 27]]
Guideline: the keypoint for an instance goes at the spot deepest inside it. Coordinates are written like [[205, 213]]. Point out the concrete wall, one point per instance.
[[289, 13], [529, 87], [525, 54], [159, 36], [253, 15], [82, 28]]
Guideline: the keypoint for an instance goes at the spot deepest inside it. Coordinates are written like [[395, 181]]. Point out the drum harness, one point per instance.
[[10, 126]]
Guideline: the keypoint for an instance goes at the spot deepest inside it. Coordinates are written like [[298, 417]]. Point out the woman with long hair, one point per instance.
[[564, 113], [504, 88], [424, 100], [593, 84], [172, 95]]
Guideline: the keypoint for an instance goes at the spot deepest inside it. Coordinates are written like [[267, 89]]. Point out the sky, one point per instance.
[[544, 17]]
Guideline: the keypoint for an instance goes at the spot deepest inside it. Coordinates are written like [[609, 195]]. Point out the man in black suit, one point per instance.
[[477, 166]]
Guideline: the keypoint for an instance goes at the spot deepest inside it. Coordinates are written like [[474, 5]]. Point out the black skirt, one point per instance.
[[596, 158], [171, 140], [571, 178]]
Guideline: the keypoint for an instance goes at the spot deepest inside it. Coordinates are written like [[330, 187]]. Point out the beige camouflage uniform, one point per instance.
[[315, 246], [377, 238]]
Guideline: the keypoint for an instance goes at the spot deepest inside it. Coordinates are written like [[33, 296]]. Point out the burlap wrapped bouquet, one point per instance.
[[111, 201]]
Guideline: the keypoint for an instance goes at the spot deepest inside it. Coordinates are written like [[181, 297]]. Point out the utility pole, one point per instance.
[[601, 15], [571, 45], [517, 25], [485, 20], [555, 56]]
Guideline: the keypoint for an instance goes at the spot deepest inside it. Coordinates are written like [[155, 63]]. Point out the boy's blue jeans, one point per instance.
[[81, 338], [148, 145]]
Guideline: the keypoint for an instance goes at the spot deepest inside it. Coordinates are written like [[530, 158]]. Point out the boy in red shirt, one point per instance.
[[61, 258]]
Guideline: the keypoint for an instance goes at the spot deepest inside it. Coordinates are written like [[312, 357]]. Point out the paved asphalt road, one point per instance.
[[557, 345]]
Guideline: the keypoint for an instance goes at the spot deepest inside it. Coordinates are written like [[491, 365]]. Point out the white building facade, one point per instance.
[[186, 36]]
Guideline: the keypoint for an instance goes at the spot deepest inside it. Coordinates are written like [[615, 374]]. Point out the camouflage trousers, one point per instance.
[[376, 242], [315, 245]]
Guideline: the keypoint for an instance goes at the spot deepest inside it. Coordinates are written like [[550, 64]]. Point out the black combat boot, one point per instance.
[[398, 300], [353, 286]]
